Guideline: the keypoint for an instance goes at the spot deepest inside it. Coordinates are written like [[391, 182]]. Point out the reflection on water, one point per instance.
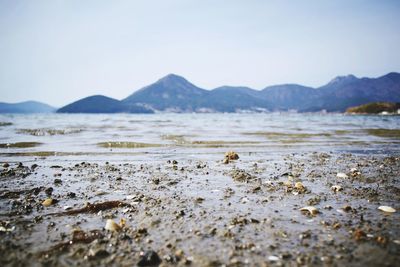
[[158, 136]]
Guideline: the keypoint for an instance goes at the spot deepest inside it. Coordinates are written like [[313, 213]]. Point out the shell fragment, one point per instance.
[[310, 210], [387, 209]]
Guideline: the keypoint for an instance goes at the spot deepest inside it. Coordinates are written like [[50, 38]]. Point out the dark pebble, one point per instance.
[[71, 194], [34, 166], [149, 258], [48, 191]]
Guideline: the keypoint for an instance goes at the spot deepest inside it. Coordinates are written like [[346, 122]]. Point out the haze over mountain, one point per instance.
[[26, 107], [174, 93]]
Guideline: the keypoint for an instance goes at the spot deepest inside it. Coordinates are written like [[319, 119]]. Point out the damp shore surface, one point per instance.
[[157, 190]]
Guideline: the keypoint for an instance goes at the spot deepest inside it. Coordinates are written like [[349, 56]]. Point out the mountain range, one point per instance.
[[26, 107], [174, 93]]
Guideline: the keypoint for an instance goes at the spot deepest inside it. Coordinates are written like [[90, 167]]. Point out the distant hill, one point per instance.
[[289, 97], [26, 107], [234, 99], [174, 93], [375, 108], [100, 104], [349, 91]]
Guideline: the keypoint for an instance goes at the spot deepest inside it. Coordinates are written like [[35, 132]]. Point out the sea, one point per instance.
[[161, 137]]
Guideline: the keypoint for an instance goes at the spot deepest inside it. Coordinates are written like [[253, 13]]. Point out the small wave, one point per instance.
[[46, 132]]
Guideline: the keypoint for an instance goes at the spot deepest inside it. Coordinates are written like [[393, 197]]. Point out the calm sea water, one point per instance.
[[65, 137]]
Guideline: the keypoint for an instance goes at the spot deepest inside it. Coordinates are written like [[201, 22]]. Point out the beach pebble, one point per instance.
[[230, 155], [112, 226], [336, 188], [310, 210], [149, 258], [341, 175], [273, 258], [48, 202]]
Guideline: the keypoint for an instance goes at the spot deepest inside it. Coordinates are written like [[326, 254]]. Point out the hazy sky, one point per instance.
[[59, 51]]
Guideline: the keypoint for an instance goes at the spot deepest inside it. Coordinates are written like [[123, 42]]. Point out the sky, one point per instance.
[[60, 51]]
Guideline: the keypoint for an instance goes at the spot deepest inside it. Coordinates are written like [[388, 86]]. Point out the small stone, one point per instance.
[[341, 175], [199, 200], [112, 226], [48, 191], [299, 186], [179, 253], [273, 258], [213, 231], [98, 254], [310, 210], [359, 234], [336, 188], [230, 155], [34, 166], [241, 176], [149, 258], [347, 208], [336, 226], [48, 202], [71, 194]]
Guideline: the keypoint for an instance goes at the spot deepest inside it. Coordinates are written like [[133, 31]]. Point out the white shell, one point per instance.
[[386, 209], [273, 258], [341, 175], [312, 210], [112, 226]]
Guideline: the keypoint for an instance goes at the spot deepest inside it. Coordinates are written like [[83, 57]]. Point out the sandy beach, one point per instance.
[[203, 213]]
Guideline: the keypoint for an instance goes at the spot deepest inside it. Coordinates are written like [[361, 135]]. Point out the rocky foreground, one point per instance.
[[299, 209]]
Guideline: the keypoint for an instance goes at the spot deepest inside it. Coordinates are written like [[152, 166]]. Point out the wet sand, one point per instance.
[[181, 211]]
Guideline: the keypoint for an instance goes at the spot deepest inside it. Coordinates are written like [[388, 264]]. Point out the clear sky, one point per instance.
[[60, 51]]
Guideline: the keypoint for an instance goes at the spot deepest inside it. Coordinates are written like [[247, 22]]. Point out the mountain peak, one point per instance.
[[392, 75], [172, 78], [342, 79]]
